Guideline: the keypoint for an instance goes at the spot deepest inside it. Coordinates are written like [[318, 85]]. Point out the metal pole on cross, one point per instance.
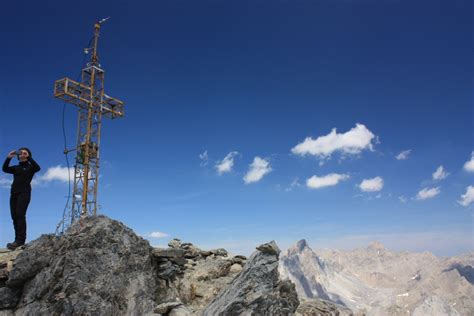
[[92, 103]]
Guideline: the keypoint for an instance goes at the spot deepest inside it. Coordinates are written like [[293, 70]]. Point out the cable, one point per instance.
[[61, 223]]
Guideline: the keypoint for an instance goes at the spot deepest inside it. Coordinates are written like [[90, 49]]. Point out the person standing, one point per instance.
[[20, 191]]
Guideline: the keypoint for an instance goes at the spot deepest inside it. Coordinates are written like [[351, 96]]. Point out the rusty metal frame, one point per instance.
[[92, 102]]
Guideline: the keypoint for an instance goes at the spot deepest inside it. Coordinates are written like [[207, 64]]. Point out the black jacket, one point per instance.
[[22, 174]]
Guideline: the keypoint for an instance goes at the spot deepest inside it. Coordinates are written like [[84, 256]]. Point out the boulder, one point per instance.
[[257, 290], [98, 267]]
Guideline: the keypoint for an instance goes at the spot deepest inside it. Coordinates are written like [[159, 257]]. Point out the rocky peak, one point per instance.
[[99, 266], [301, 245], [258, 289], [376, 246]]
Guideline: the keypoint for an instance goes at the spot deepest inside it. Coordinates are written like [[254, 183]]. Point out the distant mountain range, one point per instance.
[[376, 281]]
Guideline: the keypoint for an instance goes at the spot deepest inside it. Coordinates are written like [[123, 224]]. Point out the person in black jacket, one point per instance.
[[20, 192]]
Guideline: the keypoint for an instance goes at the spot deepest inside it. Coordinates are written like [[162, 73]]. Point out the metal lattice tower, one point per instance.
[[92, 103]]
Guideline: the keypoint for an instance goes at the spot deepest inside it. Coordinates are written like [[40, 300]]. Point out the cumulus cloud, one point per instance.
[[428, 193], [158, 235], [402, 199], [403, 155], [258, 168], [57, 173], [352, 142], [371, 185], [204, 158], [468, 197], [331, 179], [440, 174], [469, 165], [226, 164], [5, 183]]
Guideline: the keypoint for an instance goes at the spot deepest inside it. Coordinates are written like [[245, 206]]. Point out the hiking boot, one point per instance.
[[13, 245]]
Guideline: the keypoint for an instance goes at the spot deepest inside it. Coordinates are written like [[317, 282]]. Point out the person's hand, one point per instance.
[[11, 154]]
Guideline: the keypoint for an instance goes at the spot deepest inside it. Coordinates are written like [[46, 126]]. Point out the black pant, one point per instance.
[[18, 205]]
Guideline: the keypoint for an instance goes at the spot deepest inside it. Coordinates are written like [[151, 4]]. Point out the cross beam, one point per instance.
[[92, 103]]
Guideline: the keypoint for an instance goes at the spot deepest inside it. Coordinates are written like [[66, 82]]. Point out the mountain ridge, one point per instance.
[[375, 280]]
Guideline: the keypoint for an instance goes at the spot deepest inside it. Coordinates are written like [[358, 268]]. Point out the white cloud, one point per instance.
[[468, 197], [371, 185], [294, 184], [403, 155], [469, 165], [440, 174], [351, 142], [158, 235], [258, 168], [57, 173], [331, 179], [402, 199], [204, 158], [226, 164], [5, 183], [428, 193]]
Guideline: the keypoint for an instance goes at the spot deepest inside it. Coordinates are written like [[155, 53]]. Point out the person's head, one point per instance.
[[24, 153]]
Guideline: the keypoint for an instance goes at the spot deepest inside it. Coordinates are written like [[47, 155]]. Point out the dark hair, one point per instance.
[[24, 148]]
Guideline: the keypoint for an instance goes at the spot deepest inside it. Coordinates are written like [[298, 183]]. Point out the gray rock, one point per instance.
[[322, 308], [270, 248], [168, 270], [238, 260], [36, 257], [235, 268], [165, 308], [180, 311], [257, 290], [98, 267], [175, 243], [219, 252], [179, 261], [168, 253], [213, 269], [4, 275], [9, 298], [205, 253], [191, 251]]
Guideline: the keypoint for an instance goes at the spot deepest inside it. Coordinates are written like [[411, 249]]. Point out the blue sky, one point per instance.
[[306, 99]]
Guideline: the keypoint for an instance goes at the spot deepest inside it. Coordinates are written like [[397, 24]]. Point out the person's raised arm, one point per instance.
[[6, 168]]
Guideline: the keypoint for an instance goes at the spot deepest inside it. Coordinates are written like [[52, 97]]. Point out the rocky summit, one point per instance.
[[101, 267], [98, 267]]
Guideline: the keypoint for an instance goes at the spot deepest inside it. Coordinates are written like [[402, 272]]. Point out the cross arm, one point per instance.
[[72, 92], [79, 94], [112, 107]]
